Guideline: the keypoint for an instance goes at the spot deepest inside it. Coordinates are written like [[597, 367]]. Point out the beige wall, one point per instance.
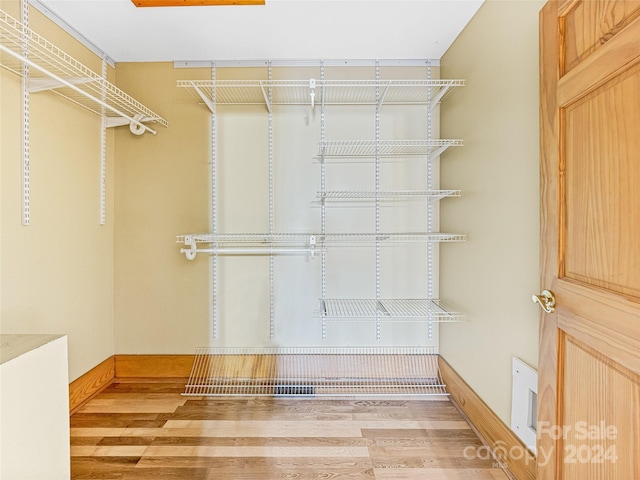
[[494, 274], [57, 273], [162, 190]]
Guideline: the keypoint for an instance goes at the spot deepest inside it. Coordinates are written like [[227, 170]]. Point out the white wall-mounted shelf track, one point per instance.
[[318, 91], [397, 309], [315, 372], [51, 69]]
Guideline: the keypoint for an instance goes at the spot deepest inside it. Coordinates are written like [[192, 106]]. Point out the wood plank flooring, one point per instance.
[[148, 430]]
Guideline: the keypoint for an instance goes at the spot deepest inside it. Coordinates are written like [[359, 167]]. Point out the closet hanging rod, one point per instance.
[[251, 250], [310, 251], [76, 89]]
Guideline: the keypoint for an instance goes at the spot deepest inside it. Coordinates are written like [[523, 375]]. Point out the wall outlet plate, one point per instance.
[[524, 403]]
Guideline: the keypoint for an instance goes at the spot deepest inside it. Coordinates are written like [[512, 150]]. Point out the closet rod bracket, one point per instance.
[[190, 252]]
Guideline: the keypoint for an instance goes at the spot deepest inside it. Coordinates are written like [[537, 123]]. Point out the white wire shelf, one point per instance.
[[385, 148], [249, 244], [406, 309], [297, 243], [51, 69], [386, 195], [289, 238], [313, 238], [315, 92], [315, 372], [347, 238]]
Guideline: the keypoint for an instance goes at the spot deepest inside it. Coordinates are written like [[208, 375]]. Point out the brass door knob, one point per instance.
[[546, 299]]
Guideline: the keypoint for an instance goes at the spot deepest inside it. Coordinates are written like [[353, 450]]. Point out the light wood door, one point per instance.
[[589, 364]]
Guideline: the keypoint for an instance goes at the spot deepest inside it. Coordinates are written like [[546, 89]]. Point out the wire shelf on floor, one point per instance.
[[386, 195], [384, 148], [315, 372], [52, 69], [315, 92], [407, 309]]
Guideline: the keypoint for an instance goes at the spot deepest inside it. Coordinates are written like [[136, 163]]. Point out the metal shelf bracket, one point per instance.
[[46, 84], [266, 96]]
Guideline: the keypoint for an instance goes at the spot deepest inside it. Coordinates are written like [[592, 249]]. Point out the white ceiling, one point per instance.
[[281, 29]]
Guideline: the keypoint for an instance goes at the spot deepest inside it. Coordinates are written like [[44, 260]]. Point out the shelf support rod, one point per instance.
[[437, 97], [207, 101], [382, 96], [111, 122], [267, 95], [381, 309], [436, 152], [46, 84]]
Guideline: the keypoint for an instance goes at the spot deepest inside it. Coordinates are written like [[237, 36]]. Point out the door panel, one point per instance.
[[589, 360], [602, 198], [596, 388], [589, 25], [600, 319]]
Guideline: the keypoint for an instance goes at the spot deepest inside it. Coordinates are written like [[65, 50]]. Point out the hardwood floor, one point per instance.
[[148, 430]]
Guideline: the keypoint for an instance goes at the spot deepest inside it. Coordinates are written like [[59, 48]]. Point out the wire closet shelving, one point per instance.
[[385, 195], [297, 243], [321, 92], [43, 67], [385, 148], [399, 309], [315, 372], [52, 69], [307, 371]]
